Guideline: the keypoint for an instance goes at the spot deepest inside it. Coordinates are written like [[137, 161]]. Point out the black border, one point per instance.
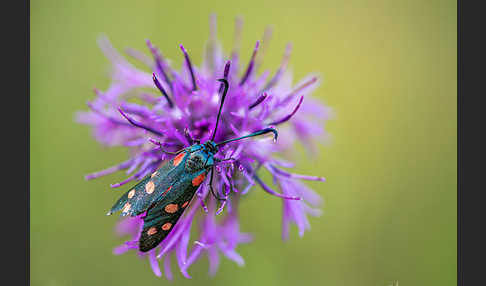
[[471, 143], [470, 123], [15, 118], [459, 134], [460, 277]]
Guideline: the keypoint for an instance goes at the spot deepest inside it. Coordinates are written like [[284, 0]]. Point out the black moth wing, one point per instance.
[[152, 188], [161, 219]]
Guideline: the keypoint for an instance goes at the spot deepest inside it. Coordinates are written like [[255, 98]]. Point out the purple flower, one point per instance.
[[174, 106]]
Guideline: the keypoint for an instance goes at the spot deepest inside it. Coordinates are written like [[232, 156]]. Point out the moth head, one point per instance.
[[211, 147]]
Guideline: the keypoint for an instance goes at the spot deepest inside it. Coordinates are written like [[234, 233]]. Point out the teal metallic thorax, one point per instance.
[[201, 156]]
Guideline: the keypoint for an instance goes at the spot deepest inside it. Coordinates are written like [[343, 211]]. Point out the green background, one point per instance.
[[389, 70]]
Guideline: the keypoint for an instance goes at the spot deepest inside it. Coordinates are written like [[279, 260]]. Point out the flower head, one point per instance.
[[176, 107]]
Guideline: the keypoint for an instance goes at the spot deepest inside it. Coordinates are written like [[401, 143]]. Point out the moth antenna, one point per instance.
[[257, 133], [225, 91]]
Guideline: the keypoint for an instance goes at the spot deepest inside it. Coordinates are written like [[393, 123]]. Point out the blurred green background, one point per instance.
[[389, 70]]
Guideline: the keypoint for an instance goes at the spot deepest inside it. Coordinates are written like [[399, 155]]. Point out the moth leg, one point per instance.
[[211, 186], [160, 145], [188, 136], [207, 159], [222, 160], [231, 187]]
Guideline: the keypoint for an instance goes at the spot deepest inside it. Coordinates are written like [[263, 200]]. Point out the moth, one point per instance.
[[166, 193]]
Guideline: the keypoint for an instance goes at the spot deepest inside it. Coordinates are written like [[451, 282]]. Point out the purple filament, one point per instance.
[[189, 65], [297, 90], [162, 90], [281, 69], [110, 170], [159, 62], [133, 122], [249, 69], [287, 117], [272, 192], [259, 100], [123, 182], [101, 113], [285, 174]]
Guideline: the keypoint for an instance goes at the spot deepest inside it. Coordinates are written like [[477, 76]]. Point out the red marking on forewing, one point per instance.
[[185, 204], [198, 180], [152, 231], [166, 191], [178, 158], [171, 208], [126, 207], [150, 187], [166, 226], [131, 194]]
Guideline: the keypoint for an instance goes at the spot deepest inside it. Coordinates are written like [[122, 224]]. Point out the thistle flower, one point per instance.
[[176, 106]]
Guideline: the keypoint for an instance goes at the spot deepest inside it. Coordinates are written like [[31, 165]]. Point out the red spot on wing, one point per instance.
[[166, 191], [166, 226], [198, 180], [171, 208], [178, 158], [152, 231]]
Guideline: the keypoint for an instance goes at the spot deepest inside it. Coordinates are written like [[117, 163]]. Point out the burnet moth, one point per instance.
[[166, 193]]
